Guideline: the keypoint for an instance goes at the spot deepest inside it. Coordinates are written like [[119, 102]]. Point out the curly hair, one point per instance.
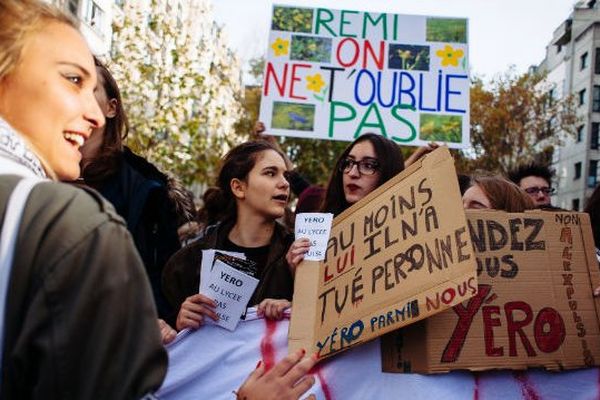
[[530, 169]]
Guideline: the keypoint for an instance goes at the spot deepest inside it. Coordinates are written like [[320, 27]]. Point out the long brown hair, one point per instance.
[[236, 164], [390, 161], [116, 130], [503, 194]]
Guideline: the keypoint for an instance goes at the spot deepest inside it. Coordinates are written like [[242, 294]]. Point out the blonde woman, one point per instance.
[[77, 316]]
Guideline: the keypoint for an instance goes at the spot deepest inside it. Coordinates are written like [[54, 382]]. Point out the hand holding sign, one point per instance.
[[194, 310], [296, 253], [273, 308]]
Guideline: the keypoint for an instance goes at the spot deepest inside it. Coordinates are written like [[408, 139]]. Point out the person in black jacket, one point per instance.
[[76, 297], [152, 204], [253, 192]]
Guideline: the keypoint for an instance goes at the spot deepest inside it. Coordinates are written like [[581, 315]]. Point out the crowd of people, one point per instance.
[[94, 277]]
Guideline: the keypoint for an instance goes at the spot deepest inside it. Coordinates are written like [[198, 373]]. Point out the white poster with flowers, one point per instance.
[[337, 74]]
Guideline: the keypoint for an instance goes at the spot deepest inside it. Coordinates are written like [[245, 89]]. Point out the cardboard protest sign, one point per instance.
[[316, 227], [336, 74], [399, 255], [534, 307]]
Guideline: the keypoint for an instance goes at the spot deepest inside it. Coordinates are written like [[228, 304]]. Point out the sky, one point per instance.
[[501, 32]]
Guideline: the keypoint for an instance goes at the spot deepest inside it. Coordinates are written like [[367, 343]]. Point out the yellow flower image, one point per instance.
[[449, 56], [280, 47], [315, 83]]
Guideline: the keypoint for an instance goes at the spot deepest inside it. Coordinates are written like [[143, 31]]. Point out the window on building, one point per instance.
[[558, 48], [582, 97], [73, 6], [583, 61], [596, 99], [597, 61], [592, 174], [580, 133], [575, 204], [94, 16], [594, 136], [577, 171]]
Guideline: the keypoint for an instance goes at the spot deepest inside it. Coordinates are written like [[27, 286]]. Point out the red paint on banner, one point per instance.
[[476, 386], [527, 389], [267, 349], [318, 371]]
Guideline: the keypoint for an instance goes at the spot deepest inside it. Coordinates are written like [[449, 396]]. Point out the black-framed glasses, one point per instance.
[[537, 189], [367, 166]]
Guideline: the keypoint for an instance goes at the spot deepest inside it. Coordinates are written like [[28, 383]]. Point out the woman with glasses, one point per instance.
[[369, 161]]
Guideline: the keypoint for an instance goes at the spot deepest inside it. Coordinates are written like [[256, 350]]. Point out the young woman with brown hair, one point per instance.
[[252, 194], [496, 193]]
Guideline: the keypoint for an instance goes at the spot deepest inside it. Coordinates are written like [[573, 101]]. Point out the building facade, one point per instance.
[[572, 63], [95, 20]]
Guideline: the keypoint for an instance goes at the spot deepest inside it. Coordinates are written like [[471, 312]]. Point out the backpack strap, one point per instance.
[[8, 240]]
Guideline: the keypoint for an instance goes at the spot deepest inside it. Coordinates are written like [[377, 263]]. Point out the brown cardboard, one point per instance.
[[377, 288], [551, 290]]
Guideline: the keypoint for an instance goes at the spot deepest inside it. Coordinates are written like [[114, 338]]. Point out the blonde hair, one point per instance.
[[18, 20]]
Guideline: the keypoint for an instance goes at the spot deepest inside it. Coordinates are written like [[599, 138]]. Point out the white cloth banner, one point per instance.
[[212, 362]]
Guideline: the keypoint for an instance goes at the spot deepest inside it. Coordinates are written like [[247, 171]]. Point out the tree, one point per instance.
[[180, 85], [514, 120]]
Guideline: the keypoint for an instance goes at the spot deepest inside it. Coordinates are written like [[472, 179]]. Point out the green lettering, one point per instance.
[[323, 21], [367, 18], [395, 26], [413, 131], [343, 22], [332, 113], [379, 124]]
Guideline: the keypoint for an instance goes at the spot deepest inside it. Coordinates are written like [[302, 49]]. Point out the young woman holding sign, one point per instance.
[[367, 163], [253, 192]]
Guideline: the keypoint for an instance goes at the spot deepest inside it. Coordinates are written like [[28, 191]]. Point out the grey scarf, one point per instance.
[[12, 146]]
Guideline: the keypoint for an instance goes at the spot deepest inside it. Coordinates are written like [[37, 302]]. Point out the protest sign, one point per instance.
[[200, 371], [230, 282], [534, 307], [336, 74], [208, 258], [402, 247], [316, 227]]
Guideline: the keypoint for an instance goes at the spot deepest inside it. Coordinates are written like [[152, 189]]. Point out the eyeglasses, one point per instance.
[[365, 167], [537, 189]]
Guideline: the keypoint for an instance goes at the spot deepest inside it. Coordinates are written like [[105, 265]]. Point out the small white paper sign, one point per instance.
[[207, 261], [231, 290], [316, 227]]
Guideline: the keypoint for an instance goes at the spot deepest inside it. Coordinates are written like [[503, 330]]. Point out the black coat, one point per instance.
[[140, 194], [80, 321], [181, 277]]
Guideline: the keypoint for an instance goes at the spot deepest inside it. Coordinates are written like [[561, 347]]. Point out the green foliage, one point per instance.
[[180, 87], [308, 48], [313, 158], [514, 120], [293, 116], [445, 128], [447, 30], [292, 19]]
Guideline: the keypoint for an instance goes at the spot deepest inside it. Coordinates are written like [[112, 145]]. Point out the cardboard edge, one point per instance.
[[304, 305], [593, 268]]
